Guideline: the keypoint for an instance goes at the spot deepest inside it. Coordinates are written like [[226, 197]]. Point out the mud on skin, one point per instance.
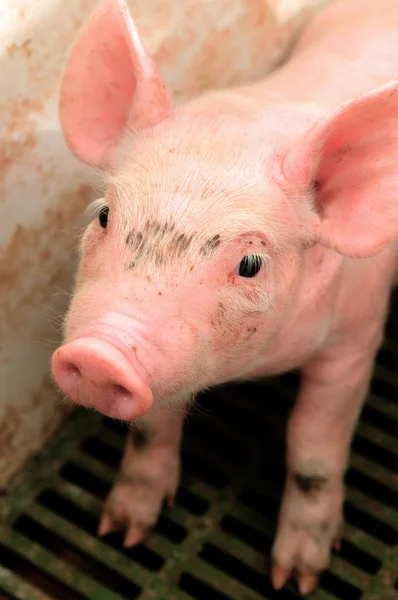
[[158, 242], [310, 484]]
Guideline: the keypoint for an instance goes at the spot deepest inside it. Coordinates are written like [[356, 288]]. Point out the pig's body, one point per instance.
[[285, 171]]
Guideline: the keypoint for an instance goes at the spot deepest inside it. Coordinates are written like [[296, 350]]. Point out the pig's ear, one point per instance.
[[109, 81], [351, 159]]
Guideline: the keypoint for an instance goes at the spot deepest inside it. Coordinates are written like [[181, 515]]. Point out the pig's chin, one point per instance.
[[172, 402], [111, 367]]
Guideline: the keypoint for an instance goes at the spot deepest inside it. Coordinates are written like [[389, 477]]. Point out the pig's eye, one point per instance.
[[103, 216], [249, 266]]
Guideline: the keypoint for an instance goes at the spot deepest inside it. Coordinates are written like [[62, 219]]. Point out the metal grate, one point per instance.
[[215, 544]]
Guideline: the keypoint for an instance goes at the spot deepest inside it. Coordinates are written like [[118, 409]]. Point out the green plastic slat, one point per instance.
[[391, 344], [364, 541], [375, 471], [260, 522], [77, 495], [229, 586], [320, 594], [386, 374], [379, 437], [19, 589], [95, 466], [383, 512], [385, 407], [56, 567], [243, 552], [349, 572]]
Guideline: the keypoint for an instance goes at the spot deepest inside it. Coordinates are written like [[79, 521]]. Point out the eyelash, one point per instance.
[[250, 266], [103, 216]]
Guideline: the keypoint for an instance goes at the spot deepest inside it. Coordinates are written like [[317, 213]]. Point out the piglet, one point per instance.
[[247, 233]]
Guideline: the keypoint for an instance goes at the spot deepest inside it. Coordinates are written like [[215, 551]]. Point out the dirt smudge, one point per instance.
[[36, 258]]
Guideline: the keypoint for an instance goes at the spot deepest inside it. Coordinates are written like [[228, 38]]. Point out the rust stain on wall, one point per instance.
[[19, 133], [35, 263], [26, 416], [211, 65], [24, 48], [9, 424], [35, 258]]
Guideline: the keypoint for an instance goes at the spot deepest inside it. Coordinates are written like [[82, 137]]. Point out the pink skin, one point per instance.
[[300, 170]]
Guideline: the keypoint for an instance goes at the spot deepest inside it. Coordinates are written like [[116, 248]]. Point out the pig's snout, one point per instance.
[[95, 374]]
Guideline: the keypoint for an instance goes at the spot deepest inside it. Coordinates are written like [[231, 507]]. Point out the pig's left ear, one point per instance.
[[109, 81], [351, 160]]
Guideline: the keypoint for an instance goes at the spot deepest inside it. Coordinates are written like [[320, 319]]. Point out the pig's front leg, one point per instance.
[[149, 475], [318, 443]]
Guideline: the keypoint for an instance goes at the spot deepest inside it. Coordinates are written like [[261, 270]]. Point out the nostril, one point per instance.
[[72, 370], [119, 390]]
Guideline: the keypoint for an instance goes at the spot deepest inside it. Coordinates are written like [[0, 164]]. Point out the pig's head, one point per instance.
[[197, 250]]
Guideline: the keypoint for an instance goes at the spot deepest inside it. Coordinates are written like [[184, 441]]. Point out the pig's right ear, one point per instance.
[[110, 81], [348, 160]]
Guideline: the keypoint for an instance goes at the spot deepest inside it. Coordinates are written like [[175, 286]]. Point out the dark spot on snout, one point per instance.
[[140, 437], [211, 244], [310, 484]]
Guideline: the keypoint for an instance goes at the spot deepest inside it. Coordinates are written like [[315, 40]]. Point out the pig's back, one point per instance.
[[348, 48]]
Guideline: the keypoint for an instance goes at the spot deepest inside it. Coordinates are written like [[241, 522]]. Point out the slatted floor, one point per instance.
[[215, 544]]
